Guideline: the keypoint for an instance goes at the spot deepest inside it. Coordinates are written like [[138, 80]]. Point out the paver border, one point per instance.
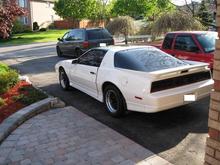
[[16, 119]]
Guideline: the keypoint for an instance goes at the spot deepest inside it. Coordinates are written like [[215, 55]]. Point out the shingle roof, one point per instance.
[[45, 0]]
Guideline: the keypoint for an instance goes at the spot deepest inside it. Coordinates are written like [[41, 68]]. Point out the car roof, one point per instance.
[[191, 32], [121, 48], [99, 28]]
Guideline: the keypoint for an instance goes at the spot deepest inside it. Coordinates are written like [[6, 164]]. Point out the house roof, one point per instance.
[[44, 0]]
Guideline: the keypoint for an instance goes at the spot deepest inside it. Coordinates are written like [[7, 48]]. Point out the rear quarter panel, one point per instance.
[[130, 83]]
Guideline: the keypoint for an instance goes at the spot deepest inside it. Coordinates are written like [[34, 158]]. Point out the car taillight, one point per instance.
[[85, 44]]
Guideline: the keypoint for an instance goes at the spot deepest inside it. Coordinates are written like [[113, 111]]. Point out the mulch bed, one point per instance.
[[12, 105]]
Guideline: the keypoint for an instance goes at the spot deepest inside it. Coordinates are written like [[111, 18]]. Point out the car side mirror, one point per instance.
[[75, 61], [59, 39]]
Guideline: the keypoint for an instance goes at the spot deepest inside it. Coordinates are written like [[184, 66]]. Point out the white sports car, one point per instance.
[[140, 78]]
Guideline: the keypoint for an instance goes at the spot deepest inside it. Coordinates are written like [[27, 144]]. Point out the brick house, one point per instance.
[[40, 11], [212, 156]]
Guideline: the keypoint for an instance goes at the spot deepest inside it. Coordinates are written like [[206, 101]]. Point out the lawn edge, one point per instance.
[[16, 119], [11, 45]]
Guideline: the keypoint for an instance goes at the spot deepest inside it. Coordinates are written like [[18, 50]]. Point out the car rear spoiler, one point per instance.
[[173, 72]]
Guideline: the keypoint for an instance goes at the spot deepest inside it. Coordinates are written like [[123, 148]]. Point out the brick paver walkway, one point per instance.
[[67, 136]]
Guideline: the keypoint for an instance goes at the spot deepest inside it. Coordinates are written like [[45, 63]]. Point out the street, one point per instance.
[[177, 135]]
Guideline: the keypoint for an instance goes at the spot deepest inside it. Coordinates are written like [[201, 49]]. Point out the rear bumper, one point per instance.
[[172, 98]]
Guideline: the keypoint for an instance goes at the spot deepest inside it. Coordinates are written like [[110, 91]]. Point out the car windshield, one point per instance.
[[207, 41], [146, 60]]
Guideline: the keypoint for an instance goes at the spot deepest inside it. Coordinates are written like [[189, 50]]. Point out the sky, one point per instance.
[[182, 2]]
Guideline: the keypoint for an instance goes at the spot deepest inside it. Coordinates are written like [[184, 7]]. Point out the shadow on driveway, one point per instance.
[[38, 65], [157, 132]]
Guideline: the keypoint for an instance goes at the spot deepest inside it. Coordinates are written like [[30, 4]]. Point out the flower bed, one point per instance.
[[15, 94]]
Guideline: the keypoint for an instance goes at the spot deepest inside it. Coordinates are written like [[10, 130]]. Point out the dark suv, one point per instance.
[[77, 41]]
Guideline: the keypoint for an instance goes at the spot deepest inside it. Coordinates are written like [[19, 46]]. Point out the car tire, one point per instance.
[[64, 80], [114, 101], [59, 53]]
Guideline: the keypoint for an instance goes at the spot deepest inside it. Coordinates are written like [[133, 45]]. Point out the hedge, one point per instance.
[[8, 78]]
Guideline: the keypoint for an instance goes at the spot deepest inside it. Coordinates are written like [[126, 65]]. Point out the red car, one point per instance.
[[194, 45]]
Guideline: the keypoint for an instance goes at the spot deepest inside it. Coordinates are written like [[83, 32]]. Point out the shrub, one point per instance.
[[8, 78], [18, 27], [3, 68], [174, 21], [43, 29], [35, 26], [9, 11], [33, 95], [2, 102], [51, 26], [122, 25]]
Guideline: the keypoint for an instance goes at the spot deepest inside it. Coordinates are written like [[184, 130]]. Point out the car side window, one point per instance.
[[76, 35], [186, 43], [65, 36], [167, 44], [92, 58]]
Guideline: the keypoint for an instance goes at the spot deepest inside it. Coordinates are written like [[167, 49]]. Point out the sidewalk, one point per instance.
[[67, 136]]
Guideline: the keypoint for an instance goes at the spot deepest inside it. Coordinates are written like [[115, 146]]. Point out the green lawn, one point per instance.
[[33, 37]]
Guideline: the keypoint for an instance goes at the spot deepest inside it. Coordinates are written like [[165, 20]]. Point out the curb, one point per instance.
[[16, 119], [35, 43]]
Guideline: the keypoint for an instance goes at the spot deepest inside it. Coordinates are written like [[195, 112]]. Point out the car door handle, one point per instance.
[[92, 72]]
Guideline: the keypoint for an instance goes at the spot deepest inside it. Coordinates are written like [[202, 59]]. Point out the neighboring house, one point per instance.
[[40, 11]]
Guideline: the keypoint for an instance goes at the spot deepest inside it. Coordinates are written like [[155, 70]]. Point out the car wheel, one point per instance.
[[78, 52], [59, 53], [114, 101], [63, 79]]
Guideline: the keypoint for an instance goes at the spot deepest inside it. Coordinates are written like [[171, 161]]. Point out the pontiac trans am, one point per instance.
[[136, 78]]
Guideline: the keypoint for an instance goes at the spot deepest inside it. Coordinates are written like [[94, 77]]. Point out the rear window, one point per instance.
[[146, 60], [95, 34]]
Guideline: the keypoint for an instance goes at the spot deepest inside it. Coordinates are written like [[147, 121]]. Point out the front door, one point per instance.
[[75, 39], [186, 48], [84, 73]]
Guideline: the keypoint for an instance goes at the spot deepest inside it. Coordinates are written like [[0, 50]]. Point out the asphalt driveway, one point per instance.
[[178, 135]]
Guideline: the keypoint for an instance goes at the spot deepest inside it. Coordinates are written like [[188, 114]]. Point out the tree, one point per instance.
[[131, 8], [204, 15], [75, 9], [122, 25], [103, 9], [9, 11], [193, 7], [135, 8], [159, 7], [188, 6], [174, 21]]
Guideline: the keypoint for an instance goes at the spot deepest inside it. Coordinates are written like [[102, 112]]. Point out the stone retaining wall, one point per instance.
[[213, 141]]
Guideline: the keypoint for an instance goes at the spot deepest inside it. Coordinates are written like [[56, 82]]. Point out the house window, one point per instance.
[[24, 20], [23, 3]]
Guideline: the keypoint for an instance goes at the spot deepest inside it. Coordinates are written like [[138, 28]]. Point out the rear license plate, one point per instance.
[[190, 97], [102, 44]]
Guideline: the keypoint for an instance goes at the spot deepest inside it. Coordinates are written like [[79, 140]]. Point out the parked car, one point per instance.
[[77, 41], [194, 45], [143, 79]]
